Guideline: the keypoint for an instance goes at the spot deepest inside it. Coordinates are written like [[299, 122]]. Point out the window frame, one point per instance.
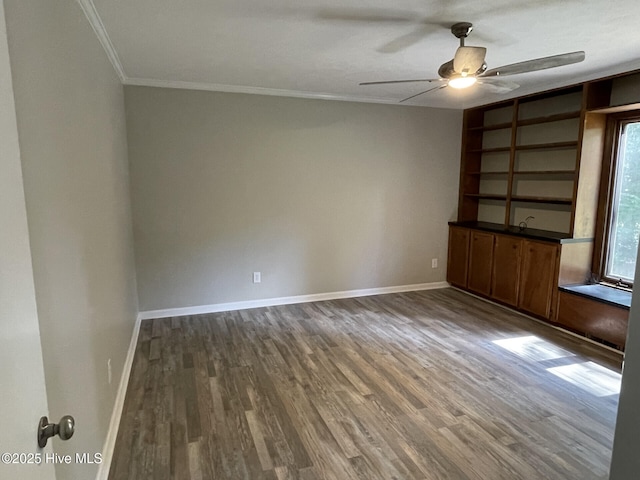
[[615, 123]]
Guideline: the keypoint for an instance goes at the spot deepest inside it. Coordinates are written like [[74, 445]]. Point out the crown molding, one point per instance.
[[92, 15], [217, 87], [94, 19]]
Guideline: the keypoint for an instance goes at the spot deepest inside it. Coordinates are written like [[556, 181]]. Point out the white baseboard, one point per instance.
[[116, 414], [270, 302]]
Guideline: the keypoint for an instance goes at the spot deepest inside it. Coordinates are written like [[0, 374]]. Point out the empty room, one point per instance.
[[319, 240]]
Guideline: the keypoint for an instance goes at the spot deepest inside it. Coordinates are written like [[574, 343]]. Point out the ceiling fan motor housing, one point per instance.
[[461, 29]]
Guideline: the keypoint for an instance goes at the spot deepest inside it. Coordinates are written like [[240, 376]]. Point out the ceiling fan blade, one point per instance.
[[385, 82], [536, 64], [469, 60], [406, 40], [422, 93], [498, 86], [379, 15]]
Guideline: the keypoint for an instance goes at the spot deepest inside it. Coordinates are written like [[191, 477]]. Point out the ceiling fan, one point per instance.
[[468, 67]]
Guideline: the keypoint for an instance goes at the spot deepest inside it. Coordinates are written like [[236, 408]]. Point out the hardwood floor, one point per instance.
[[422, 385]]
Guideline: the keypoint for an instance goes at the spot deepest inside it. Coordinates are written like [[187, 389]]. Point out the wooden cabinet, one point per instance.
[[594, 318], [510, 269], [538, 277], [505, 274], [458, 256], [523, 273], [480, 262]]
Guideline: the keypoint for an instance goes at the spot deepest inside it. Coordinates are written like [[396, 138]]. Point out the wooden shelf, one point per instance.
[[545, 172], [486, 196], [552, 200], [495, 126], [488, 174], [525, 172], [548, 119], [537, 146], [491, 150], [616, 109], [548, 146]]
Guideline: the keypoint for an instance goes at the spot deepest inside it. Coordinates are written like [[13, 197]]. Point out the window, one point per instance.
[[623, 229]]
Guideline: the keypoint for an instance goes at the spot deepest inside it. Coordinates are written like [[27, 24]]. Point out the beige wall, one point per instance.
[[319, 196], [72, 133]]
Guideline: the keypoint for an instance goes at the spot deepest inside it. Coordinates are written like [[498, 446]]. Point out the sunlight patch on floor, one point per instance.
[[589, 376], [533, 348]]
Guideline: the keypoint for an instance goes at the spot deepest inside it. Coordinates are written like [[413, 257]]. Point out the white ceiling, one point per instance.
[[324, 48]]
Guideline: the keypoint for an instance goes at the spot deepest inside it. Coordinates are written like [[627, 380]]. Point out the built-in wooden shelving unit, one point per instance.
[[537, 158], [524, 158]]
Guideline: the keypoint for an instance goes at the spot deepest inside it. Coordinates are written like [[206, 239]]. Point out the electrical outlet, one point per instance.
[[257, 277], [434, 263], [109, 373]]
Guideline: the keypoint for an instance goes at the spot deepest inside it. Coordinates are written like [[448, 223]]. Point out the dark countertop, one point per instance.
[[601, 293], [530, 233]]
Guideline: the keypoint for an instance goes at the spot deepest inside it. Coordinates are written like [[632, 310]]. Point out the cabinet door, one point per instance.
[[480, 262], [458, 257], [538, 277], [505, 280]]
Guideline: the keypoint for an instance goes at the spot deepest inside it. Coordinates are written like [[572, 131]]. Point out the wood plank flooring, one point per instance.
[[401, 386]]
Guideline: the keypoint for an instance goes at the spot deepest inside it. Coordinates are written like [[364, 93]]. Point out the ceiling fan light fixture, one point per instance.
[[462, 81], [468, 67]]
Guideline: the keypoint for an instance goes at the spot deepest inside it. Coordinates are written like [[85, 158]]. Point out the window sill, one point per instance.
[[608, 294]]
